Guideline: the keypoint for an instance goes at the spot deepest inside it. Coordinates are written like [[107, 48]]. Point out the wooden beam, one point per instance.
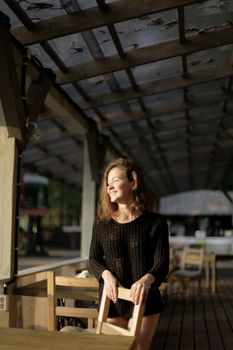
[[58, 101], [174, 125], [154, 53], [36, 94], [63, 107], [20, 13], [158, 86], [12, 112], [166, 108], [79, 21]]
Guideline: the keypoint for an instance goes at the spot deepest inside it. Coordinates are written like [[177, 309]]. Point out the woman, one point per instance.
[[129, 246]]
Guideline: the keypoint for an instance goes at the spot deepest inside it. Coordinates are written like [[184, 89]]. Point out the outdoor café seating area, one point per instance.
[[203, 319], [87, 82], [203, 312]]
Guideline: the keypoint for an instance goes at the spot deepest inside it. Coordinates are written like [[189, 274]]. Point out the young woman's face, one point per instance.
[[119, 187]]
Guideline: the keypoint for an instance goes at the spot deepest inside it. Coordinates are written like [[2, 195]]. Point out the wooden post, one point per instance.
[[11, 105], [8, 201], [8, 184], [11, 131], [13, 137], [88, 202]]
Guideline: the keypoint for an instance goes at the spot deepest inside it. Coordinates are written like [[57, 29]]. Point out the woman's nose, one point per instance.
[[110, 185]]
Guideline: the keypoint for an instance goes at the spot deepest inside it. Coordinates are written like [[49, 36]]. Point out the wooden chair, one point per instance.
[[107, 328], [90, 313], [190, 270], [79, 287]]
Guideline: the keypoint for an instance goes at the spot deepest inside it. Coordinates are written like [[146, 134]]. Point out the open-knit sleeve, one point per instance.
[[96, 257], [161, 253]]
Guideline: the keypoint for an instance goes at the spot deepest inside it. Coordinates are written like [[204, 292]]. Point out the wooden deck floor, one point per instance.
[[201, 323]]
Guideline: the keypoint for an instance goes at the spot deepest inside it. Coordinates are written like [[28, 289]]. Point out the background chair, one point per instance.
[[190, 270], [74, 288], [107, 328]]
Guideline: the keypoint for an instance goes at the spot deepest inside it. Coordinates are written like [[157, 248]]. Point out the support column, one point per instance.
[[88, 201], [8, 184], [13, 138], [8, 205]]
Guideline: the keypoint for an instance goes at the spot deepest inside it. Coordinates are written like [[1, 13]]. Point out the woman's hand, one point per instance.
[[111, 284], [140, 288]]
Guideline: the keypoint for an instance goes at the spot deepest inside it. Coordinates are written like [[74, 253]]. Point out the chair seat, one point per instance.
[[190, 270], [186, 273]]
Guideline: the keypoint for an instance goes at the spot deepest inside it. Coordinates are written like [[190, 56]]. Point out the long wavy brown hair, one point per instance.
[[142, 199]]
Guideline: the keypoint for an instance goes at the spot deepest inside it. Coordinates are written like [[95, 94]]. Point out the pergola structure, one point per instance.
[[82, 79]]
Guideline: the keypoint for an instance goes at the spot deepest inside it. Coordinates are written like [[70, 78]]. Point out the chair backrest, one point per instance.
[[107, 328], [192, 258], [82, 289]]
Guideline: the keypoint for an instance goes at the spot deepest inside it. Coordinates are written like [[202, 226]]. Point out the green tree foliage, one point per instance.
[[67, 200]]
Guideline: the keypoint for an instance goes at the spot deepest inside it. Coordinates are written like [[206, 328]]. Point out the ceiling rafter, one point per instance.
[[158, 86], [153, 53], [164, 108], [92, 18]]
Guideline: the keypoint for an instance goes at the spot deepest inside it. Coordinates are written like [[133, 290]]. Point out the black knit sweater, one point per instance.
[[130, 250]]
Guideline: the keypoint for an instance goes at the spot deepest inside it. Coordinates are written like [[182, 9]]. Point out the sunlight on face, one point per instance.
[[119, 187]]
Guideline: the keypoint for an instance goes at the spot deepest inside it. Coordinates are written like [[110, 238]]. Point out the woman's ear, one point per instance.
[[134, 181]]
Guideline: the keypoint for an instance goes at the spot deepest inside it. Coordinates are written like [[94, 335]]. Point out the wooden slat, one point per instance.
[[76, 312], [158, 86], [214, 335], [92, 18], [220, 305], [164, 108], [225, 298], [112, 329], [187, 332], [76, 282], [51, 323], [124, 294], [173, 338], [160, 338], [147, 55], [201, 342], [203, 323]]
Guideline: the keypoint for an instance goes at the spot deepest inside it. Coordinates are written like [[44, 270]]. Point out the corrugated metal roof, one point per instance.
[[197, 203]]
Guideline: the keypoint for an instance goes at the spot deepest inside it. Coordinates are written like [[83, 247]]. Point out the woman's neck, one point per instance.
[[125, 214]]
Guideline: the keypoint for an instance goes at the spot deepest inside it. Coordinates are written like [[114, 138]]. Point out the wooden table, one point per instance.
[[30, 339]]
